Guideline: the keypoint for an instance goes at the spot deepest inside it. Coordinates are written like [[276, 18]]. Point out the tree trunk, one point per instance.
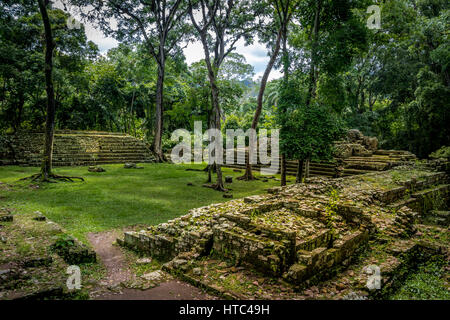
[[307, 168], [219, 183], [132, 113], [209, 169], [215, 107], [248, 167], [157, 140], [283, 170], [299, 177], [313, 74], [19, 112], [286, 81], [46, 168]]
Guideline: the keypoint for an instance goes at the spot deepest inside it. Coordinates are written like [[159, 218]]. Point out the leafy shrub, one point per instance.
[[443, 152]]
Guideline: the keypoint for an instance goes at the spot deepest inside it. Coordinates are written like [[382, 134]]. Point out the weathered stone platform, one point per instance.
[[302, 234], [74, 148], [354, 155]]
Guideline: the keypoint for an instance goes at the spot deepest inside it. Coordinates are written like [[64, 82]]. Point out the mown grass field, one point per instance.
[[118, 197]]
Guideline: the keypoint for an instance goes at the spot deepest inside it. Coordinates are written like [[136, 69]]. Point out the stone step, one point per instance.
[[433, 198], [112, 141], [437, 217], [100, 155], [392, 195], [90, 158], [159, 245], [79, 154], [93, 133], [410, 203], [318, 263], [320, 239], [82, 148], [266, 255], [290, 171], [70, 146], [87, 163], [392, 264], [315, 169]]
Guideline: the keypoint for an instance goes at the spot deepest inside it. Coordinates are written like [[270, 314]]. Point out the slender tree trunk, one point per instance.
[[19, 112], [313, 74], [157, 141], [286, 81], [283, 170], [219, 183], [209, 169], [215, 107], [248, 167], [131, 113], [307, 168], [300, 165], [46, 168]]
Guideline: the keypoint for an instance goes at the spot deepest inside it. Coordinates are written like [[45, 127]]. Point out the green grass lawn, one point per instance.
[[118, 197]]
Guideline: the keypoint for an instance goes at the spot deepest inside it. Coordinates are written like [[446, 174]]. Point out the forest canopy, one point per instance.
[[392, 82]]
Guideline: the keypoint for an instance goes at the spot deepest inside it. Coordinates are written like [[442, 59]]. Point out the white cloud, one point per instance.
[[255, 54]]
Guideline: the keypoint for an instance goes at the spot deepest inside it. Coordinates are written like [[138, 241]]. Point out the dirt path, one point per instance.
[[118, 271]]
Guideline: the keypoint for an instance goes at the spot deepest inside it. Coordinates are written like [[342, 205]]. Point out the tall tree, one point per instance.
[[46, 173], [277, 26], [159, 24], [46, 169], [282, 108], [328, 36], [220, 25]]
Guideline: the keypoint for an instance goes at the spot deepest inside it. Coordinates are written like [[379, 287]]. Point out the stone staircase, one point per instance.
[[381, 160], [77, 148]]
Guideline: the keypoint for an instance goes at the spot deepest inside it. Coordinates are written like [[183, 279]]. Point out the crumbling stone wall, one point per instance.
[[299, 232], [356, 144]]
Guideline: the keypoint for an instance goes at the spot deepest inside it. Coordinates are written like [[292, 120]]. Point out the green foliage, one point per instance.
[[307, 132], [392, 83], [63, 242], [399, 90], [426, 283], [443, 152], [22, 63], [331, 209]]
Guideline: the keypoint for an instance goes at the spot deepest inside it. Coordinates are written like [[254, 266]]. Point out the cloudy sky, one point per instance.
[[256, 54]]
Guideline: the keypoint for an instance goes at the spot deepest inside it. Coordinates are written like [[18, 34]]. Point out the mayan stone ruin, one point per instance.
[[317, 239], [74, 148], [354, 154]]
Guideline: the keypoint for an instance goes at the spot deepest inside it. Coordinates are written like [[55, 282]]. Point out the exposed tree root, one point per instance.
[[52, 178], [216, 187], [247, 177], [210, 167], [160, 158]]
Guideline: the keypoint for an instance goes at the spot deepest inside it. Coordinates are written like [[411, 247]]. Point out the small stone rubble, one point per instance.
[[301, 233]]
